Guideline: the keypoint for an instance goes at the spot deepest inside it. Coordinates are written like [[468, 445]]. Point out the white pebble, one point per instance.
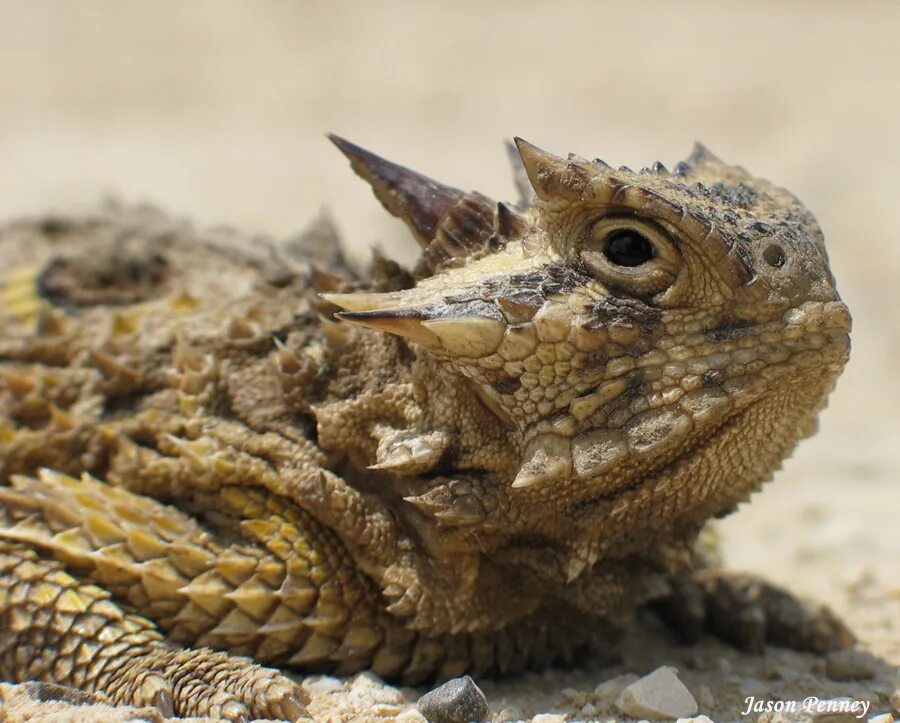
[[322, 684], [659, 695], [510, 714], [609, 690]]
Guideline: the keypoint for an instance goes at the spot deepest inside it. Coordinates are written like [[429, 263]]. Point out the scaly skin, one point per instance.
[[214, 442]]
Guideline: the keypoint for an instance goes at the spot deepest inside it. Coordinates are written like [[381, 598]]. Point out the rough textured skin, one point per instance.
[[219, 442]]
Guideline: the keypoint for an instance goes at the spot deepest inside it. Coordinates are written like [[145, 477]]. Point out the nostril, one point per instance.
[[774, 256]]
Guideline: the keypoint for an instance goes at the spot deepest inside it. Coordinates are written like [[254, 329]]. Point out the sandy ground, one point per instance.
[[217, 109]]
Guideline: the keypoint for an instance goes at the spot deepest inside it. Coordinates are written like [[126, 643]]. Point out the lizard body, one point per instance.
[[485, 464]]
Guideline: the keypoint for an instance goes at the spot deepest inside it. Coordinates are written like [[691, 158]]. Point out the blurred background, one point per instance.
[[217, 110]]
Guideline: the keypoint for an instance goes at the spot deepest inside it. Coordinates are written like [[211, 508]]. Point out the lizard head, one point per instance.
[[646, 340]]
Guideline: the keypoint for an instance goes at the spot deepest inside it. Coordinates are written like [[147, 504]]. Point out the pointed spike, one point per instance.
[[519, 309], [538, 165], [326, 617], [112, 368], [660, 168], [236, 624], [524, 480], [239, 327], [406, 453], [407, 323], [207, 591], [197, 451], [288, 362], [145, 545], [60, 418], [450, 505], [324, 282], [547, 457], [406, 605], [427, 502], [194, 618], [701, 154], [360, 639], [510, 224], [319, 244], [336, 335], [254, 599], [235, 568], [468, 336], [283, 622], [520, 175], [417, 200], [458, 516], [364, 301], [316, 649]]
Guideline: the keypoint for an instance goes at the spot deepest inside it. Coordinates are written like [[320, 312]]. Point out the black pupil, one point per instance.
[[628, 248]]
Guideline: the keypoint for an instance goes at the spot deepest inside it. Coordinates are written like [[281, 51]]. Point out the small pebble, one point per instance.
[[456, 701], [697, 719], [589, 709], [659, 695], [849, 665], [374, 690], [576, 697], [510, 714], [322, 684], [609, 690], [366, 680], [549, 718]]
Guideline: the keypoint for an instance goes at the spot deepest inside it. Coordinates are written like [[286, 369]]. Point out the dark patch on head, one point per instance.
[[739, 195], [730, 330], [114, 277], [532, 279], [624, 311], [747, 261], [714, 377], [507, 385]]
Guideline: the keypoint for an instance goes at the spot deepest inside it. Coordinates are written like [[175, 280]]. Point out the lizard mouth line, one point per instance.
[[701, 441]]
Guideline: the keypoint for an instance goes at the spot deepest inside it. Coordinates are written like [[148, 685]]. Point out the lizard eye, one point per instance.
[[633, 255], [627, 247]]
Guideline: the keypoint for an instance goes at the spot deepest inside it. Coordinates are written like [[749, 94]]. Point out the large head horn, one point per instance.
[[447, 222], [551, 176]]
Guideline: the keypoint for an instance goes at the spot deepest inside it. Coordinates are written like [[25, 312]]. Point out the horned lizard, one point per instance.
[[223, 452]]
